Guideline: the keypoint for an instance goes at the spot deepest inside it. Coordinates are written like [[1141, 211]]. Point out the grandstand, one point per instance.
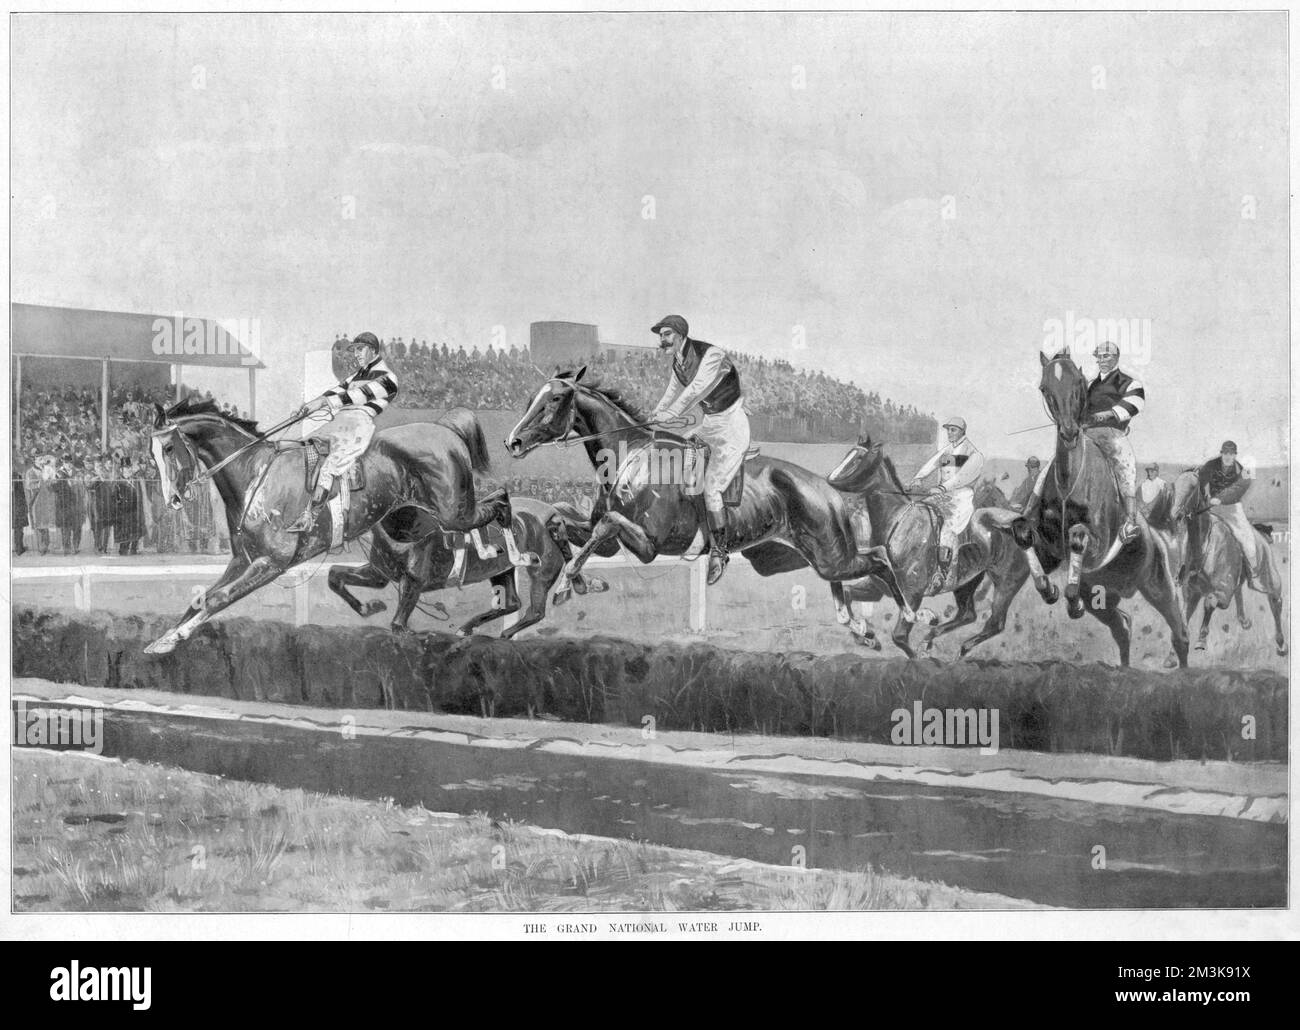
[[84, 386]]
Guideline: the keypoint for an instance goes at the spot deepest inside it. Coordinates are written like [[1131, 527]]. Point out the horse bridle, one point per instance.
[[565, 440]]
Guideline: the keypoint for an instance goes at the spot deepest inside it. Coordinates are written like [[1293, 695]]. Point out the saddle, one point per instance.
[[734, 491], [314, 451]]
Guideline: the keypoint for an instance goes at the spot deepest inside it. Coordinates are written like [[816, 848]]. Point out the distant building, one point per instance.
[[618, 351], [562, 343]]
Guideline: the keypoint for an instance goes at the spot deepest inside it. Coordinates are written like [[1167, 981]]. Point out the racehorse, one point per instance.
[[907, 528], [787, 518], [1212, 566], [1079, 522], [263, 487], [410, 549]]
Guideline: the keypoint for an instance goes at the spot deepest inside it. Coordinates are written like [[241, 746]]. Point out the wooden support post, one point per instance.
[[699, 594]]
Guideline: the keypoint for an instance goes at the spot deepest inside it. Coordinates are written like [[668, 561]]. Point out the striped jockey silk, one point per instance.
[[370, 388], [1117, 394]]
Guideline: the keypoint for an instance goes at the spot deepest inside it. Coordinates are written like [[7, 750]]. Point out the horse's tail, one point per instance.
[[462, 422]]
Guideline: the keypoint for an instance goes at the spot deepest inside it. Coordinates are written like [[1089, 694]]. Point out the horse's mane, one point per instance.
[[191, 405], [610, 393], [885, 463]]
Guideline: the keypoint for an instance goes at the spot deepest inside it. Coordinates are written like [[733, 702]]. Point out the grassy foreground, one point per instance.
[[105, 835]]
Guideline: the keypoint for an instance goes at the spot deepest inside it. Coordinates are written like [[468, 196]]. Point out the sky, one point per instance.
[[906, 201]]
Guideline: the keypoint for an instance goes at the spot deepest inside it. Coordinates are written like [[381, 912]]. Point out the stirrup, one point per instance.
[[716, 571]]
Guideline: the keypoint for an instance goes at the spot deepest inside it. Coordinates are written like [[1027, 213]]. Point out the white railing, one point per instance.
[[84, 575]]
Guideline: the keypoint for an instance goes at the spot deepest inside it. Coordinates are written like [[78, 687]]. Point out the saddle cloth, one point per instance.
[[698, 459], [315, 451]]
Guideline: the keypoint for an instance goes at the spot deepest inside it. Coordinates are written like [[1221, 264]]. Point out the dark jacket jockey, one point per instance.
[[703, 374]]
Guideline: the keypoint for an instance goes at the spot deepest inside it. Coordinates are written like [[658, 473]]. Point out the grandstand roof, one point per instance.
[[50, 332]]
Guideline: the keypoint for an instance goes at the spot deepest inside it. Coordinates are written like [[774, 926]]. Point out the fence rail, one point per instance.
[[84, 576]]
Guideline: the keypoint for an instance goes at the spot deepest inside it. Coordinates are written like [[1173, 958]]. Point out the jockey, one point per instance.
[[1021, 497], [352, 406], [1223, 482], [1114, 398], [704, 374], [959, 463]]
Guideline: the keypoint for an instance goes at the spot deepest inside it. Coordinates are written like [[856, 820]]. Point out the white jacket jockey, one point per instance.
[[703, 374], [352, 406], [959, 463]]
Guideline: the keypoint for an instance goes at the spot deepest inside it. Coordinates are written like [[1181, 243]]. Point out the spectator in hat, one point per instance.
[[1150, 489], [1033, 467]]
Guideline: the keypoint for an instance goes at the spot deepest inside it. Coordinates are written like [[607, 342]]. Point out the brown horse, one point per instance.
[[788, 517], [1079, 522], [263, 486], [1212, 566], [907, 527], [410, 549]]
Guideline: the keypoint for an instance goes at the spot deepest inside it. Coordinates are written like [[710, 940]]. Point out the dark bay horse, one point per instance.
[[263, 487], [788, 517], [410, 549], [1212, 568], [1079, 523], [907, 528]]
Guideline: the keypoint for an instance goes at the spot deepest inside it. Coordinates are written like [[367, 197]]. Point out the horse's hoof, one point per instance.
[[1171, 661], [1200, 645], [871, 642], [560, 596], [1282, 649], [161, 646], [373, 608], [1245, 623], [597, 585], [842, 617], [1074, 608], [1052, 594]]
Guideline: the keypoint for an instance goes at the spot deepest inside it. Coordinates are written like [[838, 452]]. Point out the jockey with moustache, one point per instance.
[[703, 374]]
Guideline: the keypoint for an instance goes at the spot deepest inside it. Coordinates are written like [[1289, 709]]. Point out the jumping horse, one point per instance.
[[263, 486], [1079, 523], [787, 517]]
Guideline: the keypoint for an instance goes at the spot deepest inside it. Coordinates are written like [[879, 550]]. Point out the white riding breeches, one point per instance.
[[957, 507], [1114, 443], [349, 435], [727, 434]]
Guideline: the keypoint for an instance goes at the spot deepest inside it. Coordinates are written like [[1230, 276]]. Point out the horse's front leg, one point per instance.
[[1024, 533], [860, 628], [884, 571], [613, 524], [343, 576], [218, 597], [1080, 536]]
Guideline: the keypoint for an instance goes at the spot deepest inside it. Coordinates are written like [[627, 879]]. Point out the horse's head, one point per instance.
[[1065, 392], [857, 466], [1185, 495], [550, 415], [174, 456]]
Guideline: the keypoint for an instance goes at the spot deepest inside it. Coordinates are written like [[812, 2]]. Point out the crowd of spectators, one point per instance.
[[806, 404], [73, 494]]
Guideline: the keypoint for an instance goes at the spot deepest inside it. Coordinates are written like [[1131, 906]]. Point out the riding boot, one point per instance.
[[717, 545], [1130, 528], [940, 578], [306, 522]]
